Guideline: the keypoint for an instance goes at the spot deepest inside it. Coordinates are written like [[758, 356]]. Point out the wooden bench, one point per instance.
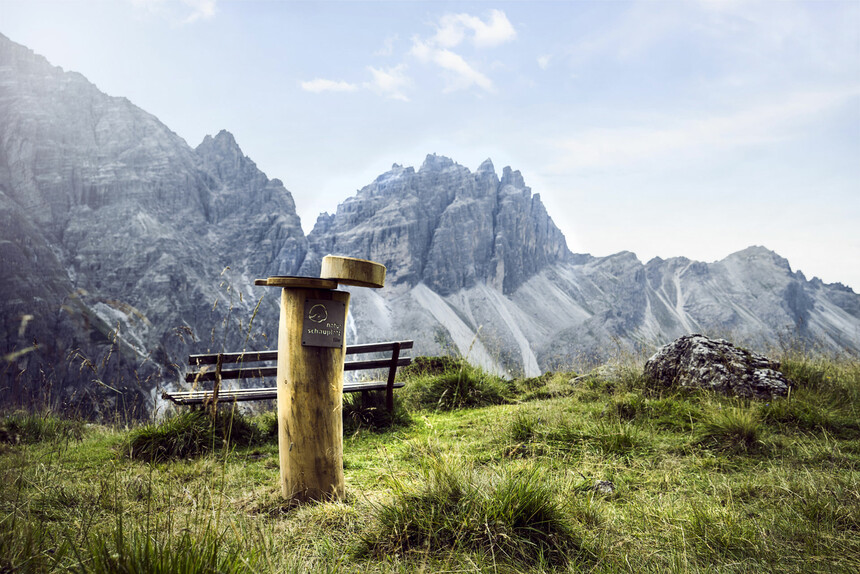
[[258, 365]]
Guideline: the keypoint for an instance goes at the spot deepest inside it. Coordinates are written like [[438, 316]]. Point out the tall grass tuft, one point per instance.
[[189, 434], [29, 428], [512, 517], [454, 384], [825, 396], [128, 550], [732, 429], [25, 546]]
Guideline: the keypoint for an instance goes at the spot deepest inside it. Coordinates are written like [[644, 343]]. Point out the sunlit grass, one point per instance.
[[566, 473]]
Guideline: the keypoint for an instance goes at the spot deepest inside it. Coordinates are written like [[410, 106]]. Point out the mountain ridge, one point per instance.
[[123, 249]]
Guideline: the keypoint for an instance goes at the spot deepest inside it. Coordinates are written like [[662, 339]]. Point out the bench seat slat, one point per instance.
[[263, 393]]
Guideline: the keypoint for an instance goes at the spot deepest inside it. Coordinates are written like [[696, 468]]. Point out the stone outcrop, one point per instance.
[[695, 361]]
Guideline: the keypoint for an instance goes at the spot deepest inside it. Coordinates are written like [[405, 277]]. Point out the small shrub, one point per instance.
[[535, 383], [835, 381], [807, 410], [620, 438], [30, 428], [189, 434], [460, 385], [547, 386]]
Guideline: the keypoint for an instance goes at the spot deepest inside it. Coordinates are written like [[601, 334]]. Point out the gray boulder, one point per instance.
[[695, 361]]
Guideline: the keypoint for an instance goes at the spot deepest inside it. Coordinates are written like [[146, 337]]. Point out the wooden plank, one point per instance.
[[262, 393], [373, 364], [352, 271], [251, 356], [377, 347], [262, 372], [243, 373], [246, 357], [298, 282]]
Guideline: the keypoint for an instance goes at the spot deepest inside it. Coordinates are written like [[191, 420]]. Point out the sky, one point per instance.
[[693, 128]]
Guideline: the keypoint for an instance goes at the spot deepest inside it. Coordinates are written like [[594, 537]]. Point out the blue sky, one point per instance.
[[692, 128]]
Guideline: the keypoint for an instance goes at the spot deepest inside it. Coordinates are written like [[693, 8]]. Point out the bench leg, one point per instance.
[[392, 372]]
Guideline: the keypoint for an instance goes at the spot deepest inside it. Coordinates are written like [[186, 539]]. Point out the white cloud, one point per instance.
[[543, 61], [462, 75], [387, 46], [495, 31], [176, 11], [318, 85], [390, 82], [451, 31], [764, 123], [201, 9]]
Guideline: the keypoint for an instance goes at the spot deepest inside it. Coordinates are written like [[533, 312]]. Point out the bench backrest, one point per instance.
[[205, 372]]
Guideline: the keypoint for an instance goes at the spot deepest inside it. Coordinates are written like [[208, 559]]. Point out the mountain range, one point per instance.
[[122, 249]]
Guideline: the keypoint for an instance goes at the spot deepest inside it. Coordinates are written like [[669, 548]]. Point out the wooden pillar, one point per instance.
[[311, 349], [310, 389]]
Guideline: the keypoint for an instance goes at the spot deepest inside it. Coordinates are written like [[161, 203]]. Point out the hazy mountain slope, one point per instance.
[[122, 230]]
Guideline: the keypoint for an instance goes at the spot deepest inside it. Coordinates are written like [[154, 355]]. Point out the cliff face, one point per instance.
[[117, 235], [444, 226]]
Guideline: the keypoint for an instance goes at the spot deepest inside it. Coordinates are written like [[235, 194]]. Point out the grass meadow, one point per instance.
[[567, 472]]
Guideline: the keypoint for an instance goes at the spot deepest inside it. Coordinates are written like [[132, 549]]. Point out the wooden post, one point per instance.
[[311, 350], [310, 390]]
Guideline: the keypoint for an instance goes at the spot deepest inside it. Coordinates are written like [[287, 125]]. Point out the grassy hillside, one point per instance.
[[562, 473]]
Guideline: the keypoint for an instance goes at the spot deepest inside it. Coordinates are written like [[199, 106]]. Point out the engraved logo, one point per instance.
[[318, 313]]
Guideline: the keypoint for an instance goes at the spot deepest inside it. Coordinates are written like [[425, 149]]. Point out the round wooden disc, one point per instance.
[[300, 282], [352, 271]]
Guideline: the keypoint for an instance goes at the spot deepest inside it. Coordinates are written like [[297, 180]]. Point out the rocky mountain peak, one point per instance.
[[486, 167], [758, 255], [435, 162], [223, 145], [444, 226], [513, 178]]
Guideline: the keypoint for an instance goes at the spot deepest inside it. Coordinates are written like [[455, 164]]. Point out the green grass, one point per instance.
[[454, 384], [191, 433], [368, 411], [509, 516], [29, 428], [480, 475]]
